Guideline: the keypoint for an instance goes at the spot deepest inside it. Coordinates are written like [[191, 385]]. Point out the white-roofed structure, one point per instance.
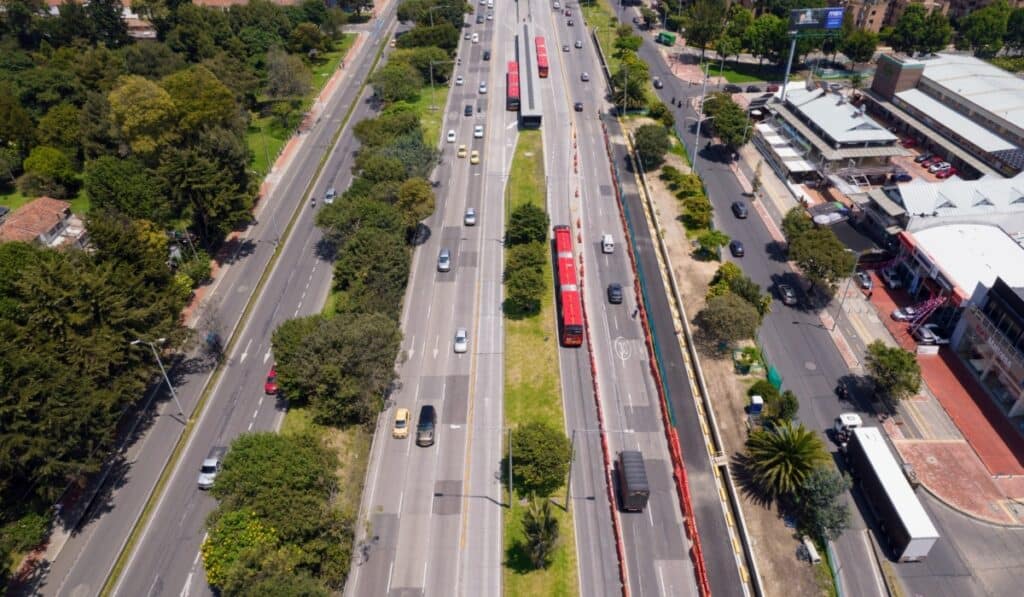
[[978, 87], [955, 121], [841, 123], [970, 255], [990, 201]]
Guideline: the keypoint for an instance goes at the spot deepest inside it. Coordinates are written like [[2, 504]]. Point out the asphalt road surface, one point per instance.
[[656, 548], [435, 512]]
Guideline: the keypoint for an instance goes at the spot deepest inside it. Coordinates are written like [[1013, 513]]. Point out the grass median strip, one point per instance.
[[533, 394]]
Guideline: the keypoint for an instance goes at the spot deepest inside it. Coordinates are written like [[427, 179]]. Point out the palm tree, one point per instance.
[[781, 459], [541, 529]]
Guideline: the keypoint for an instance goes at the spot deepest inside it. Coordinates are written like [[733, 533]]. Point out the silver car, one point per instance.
[[461, 341], [470, 218], [444, 261], [211, 466]]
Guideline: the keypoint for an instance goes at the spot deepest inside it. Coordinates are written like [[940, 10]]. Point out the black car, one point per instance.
[[615, 293], [479, 19], [570, 23], [753, 89], [739, 209], [924, 157], [730, 88], [469, 110], [487, 54], [736, 248], [658, 84], [425, 426], [578, 106]]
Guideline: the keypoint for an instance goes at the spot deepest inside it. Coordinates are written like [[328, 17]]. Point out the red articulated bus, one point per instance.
[[570, 308], [512, 87], [542, 57]]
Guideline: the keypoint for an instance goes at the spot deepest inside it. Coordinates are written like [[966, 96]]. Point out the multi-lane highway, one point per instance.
[[656, 548], [434, 512], [166, 556]]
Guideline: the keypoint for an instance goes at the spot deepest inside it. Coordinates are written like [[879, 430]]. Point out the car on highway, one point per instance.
[[478, 131], [565, 47], [462, 151], [461, 342], [490, 15], [401, 427], [787, 295], [890, 278], [469, 218], [474, 157], [270, 387], [483, 87], [578, 106], [739, 209], [568, 12], [557, 5], [569, 23], [584, 76], [658, 83], [211, 466], [904, 314], [736, 248], [487, 54], [451, 136], [468, 111], [476, 38], [330, 195], [466, 35], [615, 293], [425, 426], [459, 80], [479, 19], [444, 260], [864, 280]]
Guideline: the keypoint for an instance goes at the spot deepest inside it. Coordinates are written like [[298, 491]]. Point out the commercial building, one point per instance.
[[962, 108]]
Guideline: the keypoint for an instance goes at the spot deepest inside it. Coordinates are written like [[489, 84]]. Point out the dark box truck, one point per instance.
[[633, 481]]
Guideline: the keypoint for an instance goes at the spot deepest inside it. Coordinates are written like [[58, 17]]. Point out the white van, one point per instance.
[[607, 244]]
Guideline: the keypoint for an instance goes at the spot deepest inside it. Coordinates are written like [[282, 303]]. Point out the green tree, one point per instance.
[[531, 256], [372, 269], [819, 503], [652, 143], [731, 123], [60, 128], [443, 35], [937, 33], [108, 26], [48, 171], [342, 219], [16, 130], [983, 29], [415, 200], [288, 77], [822, 257], [765, 36], [629, 83], [727, 319], [738, 19], [305, 38], [649, 17], [781, 459], [10, 165], [795, 223], [527, 223], [750, 291], [523, 291], [541, 529], [697, 212], [540, 458], [711, 241], [144, 113], [426, 60], [397, 81], [127, 186], [1015, 30], [340, 366], [229, 539], [859, 45], [894, 371], [201, 101], [920, 31], [728, 45], [704, 21]]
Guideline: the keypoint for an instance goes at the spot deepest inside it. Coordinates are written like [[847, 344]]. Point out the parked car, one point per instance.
[[211, 466], [753, 89], [787, 295], [730, 88], [565, 47], [908, 142], [772, 87], [479, 19], [890, 278], [924, 335], [615, 293], [578, 106], [483, 87], [939, 167], [902, 177], [938, 332], [739, 209], [461, 342], [931, 161], [904, 314], [924, 157], [401, 427], [736, 248], [864, 280], [469, 219], [951, 171], [270, 387]]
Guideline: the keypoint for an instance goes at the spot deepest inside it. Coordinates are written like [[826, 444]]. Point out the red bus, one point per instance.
[[570, 309], [542, 57], [512, 87]]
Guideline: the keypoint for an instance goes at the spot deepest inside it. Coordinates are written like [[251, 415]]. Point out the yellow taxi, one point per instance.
[[474, 158], [462, 151], [401, 429]]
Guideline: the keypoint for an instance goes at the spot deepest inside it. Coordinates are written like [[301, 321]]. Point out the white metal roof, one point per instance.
[[973, 254], [988, 196], [799, 166], [955, 121], [841, 120], [917, 521], [984, 84]]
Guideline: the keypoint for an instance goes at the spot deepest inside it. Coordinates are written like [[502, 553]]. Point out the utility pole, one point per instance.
[[568, 481], [700, 118], [789, 64], [167, 379]]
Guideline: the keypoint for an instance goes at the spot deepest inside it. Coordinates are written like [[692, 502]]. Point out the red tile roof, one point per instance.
[[34, 218]]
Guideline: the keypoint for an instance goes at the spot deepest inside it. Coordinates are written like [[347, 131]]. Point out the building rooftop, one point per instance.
[[972, 254], [837, 117], [827, 150], [955, 121], [987, 86], [33, 219], [956, 197]]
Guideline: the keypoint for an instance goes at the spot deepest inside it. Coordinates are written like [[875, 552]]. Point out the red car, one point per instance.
[[946, 173], [908, 142], [931, 162], [568, 12], [271, 386]]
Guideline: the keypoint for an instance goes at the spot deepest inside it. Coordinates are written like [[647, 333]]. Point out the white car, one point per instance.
[[470, 218], [940, 167], [461, 341], [483, 87], [478, 131], [211, 466], [904, 314], [451, 136], [585, 77], [459, 80], [476, 38]]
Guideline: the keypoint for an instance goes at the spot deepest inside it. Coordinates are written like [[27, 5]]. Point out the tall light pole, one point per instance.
[[700, 118], [846, 291], [433, 98], [156, 354]]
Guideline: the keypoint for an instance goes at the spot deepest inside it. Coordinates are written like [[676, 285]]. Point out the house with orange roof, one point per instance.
[[46, 221]]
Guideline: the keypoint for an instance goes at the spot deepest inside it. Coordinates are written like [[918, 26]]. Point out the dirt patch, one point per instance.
[[776, 546]]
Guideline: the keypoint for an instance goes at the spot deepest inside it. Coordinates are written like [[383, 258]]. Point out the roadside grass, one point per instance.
[[742, 72], [430, 119], [678, 148], [600, 17], [266, 136], [533, 393]]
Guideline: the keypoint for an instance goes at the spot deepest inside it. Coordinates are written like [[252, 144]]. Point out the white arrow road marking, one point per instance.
[[245, 352]]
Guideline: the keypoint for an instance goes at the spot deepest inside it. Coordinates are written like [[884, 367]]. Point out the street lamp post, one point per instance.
[[156, 354], [700, 118], [846, 291], [433, 98], [696, 136]]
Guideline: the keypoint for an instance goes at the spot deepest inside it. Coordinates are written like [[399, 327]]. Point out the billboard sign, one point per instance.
[[804, 19]]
